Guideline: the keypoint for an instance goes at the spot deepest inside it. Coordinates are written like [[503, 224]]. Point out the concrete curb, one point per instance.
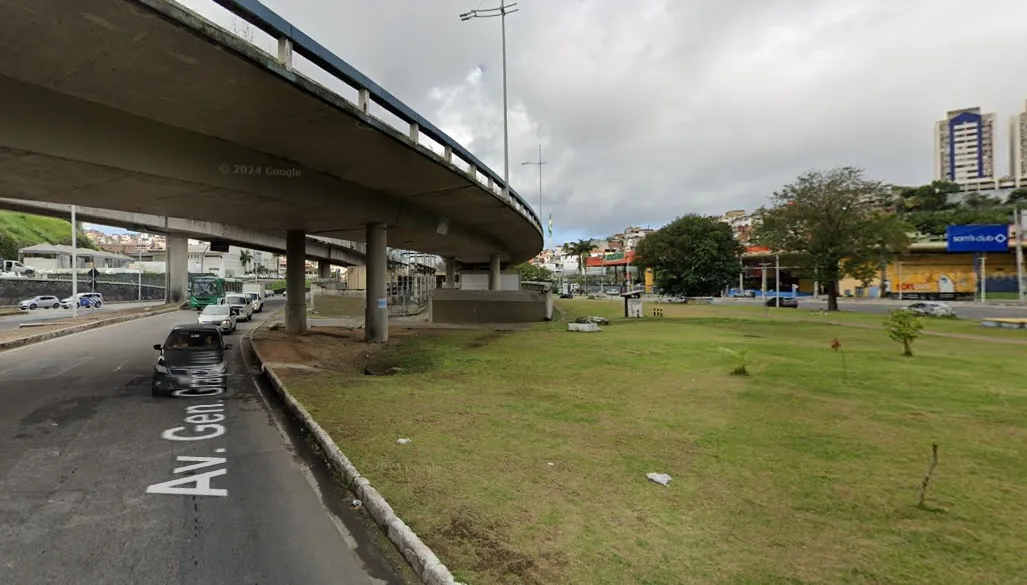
[[421, 558], [30, 339]]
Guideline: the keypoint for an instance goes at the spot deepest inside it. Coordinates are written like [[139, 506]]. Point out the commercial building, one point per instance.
[[1018, 148], [54, 257], [964, 147]]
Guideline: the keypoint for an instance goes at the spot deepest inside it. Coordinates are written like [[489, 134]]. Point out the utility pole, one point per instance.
[[1018, 221], [74, 265], [501, 12], [763, 285], [538, 163], [777, 280]]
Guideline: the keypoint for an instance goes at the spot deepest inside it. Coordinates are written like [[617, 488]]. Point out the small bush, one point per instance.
[[740, 357], [904, 327]]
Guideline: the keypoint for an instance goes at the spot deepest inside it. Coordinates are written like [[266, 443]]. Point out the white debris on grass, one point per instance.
[[403, 441], [660, 478]]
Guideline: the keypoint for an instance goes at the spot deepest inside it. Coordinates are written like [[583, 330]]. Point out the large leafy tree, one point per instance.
[[534, 273], [834, 222], [693, 255]]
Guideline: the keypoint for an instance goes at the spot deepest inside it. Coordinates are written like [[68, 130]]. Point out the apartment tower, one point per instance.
[[964, 147], [1018, 148]]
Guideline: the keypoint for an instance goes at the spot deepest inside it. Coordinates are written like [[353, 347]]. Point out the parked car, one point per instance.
[[786, 302], [932, 308], [88, 299], [39, 302], [240, 304], [219, 316], [191, 362]]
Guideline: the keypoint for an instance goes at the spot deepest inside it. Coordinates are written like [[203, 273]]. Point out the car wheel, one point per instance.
[[57, 305], [32, 307]]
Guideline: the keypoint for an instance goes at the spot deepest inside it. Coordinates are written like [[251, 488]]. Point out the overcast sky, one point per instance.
[[650, 109]]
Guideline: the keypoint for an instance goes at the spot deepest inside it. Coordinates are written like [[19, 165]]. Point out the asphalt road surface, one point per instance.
[[964, 309], [8, 322], [101, 483]]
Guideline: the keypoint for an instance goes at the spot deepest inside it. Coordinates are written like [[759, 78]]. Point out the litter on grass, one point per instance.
[[660, 478]]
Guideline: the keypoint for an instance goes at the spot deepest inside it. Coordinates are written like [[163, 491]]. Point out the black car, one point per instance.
[[786, 302], [191, 363]]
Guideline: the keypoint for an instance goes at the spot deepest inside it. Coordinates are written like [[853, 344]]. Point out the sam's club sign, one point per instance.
[[978, 238]]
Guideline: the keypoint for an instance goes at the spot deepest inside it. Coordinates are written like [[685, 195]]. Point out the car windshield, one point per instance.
[[237, 300], [215, 310], [197, 340]]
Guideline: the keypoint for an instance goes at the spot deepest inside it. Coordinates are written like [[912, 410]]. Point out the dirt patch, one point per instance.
[[335, 349], [494, 556]]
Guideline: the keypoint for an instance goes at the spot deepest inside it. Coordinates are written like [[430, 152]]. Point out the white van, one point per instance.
[[240, 305]]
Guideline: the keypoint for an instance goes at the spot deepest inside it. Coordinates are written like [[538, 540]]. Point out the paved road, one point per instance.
[[81, 442], [8, 322], [965, 310]]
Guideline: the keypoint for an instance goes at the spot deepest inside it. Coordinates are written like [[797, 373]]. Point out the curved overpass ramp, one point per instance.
[[143, 106]]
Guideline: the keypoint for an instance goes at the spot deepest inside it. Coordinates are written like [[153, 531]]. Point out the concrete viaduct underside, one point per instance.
[[144, 107]]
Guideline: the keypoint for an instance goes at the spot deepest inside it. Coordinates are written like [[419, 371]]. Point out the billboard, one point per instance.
[[977, 238]]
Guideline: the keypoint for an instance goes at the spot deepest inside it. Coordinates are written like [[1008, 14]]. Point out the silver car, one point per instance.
[[219, 316], [932, 309], [40, 302]]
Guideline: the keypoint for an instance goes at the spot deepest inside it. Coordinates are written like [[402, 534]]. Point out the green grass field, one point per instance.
[[530, 451]]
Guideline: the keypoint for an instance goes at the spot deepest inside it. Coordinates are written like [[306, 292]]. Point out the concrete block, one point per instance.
[[583, 327]]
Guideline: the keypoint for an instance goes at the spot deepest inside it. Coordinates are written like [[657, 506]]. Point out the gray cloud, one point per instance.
[[650, 109]]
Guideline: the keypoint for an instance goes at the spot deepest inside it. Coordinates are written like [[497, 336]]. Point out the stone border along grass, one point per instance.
[[421, 558], [30, 339]]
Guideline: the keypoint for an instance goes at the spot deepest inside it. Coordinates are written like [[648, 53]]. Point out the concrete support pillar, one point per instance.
[[324, 269], [178, 268], [295, 282], [376, 309], [450, 272], [494, 272]]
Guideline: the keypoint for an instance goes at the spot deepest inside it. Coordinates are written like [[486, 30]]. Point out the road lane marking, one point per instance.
[[200, 481], [203, 422], [121, 366]]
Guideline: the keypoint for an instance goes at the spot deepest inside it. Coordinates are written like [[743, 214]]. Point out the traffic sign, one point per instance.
[[977, 238]]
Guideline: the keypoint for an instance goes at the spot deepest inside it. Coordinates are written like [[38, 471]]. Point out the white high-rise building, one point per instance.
[[1018, 148], [964, 147]]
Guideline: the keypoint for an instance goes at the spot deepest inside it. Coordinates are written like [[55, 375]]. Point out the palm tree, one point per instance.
[[245, 257], [581, 249]]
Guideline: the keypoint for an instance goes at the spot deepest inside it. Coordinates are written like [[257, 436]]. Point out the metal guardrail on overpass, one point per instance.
[[290, 39]]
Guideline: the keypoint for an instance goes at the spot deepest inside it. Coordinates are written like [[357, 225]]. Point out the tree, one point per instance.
[[693, 256], [1017, 196], [826, 218], [581, 249], [534, 273], [903, 326], [245, 257]]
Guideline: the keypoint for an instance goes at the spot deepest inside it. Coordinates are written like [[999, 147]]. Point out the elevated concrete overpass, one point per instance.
[[327, 251], [143, 106]]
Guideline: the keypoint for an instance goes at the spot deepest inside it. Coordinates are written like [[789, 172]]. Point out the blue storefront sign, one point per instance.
[[977, 238]]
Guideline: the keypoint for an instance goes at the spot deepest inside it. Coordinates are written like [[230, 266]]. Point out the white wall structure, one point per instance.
[[479, 280]]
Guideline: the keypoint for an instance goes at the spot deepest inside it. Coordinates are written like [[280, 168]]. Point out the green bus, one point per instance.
[[208, 290]]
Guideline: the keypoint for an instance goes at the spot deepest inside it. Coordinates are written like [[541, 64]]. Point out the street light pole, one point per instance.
[[501, 12], [74, 265], [1018, 222], [538, 163]]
